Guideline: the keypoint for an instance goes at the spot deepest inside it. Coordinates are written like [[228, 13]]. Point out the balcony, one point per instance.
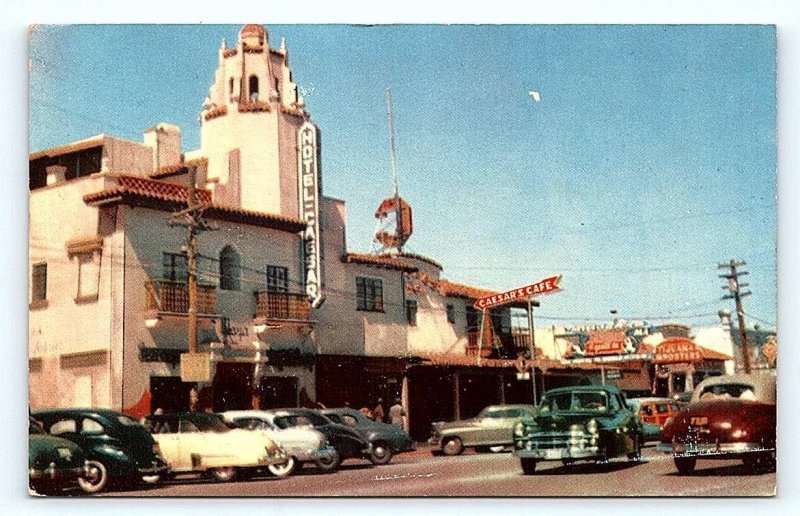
[[474, 345], [282, 306], [164, 296]]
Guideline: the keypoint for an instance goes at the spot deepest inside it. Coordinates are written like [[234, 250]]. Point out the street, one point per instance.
[[485, 475]]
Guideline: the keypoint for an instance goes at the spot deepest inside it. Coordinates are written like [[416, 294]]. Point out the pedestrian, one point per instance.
[[377, 412], [396, 413]]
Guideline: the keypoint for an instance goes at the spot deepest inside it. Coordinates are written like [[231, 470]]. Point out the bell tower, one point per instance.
[[249, 126]]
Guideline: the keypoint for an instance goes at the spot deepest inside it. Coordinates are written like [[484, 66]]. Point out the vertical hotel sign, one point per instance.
[[308, 206]]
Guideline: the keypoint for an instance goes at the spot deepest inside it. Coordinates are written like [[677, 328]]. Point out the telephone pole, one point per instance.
[[192, 218], [736, 293]]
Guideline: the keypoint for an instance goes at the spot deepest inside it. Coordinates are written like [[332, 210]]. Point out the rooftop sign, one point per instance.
[[545, 286]]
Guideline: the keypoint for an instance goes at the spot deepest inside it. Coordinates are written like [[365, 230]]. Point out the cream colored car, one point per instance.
[[202, 442]]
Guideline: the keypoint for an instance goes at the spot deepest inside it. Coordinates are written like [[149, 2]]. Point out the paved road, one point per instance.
[[420, 474]]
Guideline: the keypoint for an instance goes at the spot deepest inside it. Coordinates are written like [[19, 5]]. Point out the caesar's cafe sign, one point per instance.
[[545, 286], [308, 206]]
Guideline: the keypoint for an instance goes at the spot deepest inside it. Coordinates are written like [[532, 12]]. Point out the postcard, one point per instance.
[[402, 260]]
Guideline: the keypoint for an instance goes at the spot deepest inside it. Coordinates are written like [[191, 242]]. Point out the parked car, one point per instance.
[[729, 417], [54, 464], [590, 423], [118, 448], [348, 442], [682, 399], [303, 444], [653, 413], [202, 442], [386, 440], [492, 429]]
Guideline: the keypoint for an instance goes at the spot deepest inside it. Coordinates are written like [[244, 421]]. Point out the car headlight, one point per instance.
[[575, 429], [64, 453], [519, 429], [592, 426]]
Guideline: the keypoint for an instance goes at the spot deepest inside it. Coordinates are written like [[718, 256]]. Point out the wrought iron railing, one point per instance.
[[272, 305], [173, 297]]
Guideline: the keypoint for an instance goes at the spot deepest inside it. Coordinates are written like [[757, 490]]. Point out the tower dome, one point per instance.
[[253, 33]]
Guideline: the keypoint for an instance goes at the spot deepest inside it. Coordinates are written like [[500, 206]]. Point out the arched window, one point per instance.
[[253, 83], [229, 264]]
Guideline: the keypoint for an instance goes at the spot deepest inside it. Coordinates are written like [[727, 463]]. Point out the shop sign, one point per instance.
[[195, 367], [677, 351], [545, 286], [606, 343], [308, 206]]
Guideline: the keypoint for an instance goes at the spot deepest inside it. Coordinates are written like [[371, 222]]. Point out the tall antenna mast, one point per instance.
[[391, 140], [390, 238]]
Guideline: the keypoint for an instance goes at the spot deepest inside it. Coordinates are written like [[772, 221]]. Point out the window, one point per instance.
[[369, 294], [277, 278], [64, 426], [451, 314], [39, 283], [253, 83], [91, 427], [230, 86], [229, 266], [473, 319], [88, 276], [278, 88], [411, 312], [176, 267]]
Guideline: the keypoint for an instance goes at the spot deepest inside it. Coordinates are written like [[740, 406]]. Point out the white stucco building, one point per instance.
[[290, 315]]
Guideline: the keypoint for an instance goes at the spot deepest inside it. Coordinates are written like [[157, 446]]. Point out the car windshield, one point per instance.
[[291, 420], [584, 401], [728, 390], [127, 420], [209, 423], [35, 428]]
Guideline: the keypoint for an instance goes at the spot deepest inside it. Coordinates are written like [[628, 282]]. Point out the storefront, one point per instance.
[[680, 365]]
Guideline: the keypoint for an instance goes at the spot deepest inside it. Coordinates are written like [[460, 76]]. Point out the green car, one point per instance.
[[117, 447], [579, 423], [53, 463]]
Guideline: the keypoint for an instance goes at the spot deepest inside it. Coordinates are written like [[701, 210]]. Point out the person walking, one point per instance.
[[396, 413], [377, 412]]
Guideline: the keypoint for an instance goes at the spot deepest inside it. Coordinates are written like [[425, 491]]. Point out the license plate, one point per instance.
[[552, 454]]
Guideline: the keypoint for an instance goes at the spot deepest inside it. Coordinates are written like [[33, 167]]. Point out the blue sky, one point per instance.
[[650, 158]]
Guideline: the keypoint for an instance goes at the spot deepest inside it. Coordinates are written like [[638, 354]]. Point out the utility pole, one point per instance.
[[734, 287], [532, 337], [192, 218]]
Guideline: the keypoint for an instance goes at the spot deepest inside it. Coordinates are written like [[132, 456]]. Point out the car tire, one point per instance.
[[636, 454], [452, 446], [283, 470], [225, 474], [528, 466], [760, 463], [329, 464], [96, 480], [381, 453], [43, 488], [685, 465]]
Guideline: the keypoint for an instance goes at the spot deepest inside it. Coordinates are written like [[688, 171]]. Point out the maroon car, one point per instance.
[[729, 417]]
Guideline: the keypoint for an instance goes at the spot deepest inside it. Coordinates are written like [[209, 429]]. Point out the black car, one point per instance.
[[53, 463], [117, 447], [349, 443], [386, 439]]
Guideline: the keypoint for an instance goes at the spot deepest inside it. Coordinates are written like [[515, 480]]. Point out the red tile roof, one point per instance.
[[178, 168], [422, 259], [458, 359], [170, 196], [452, 289], [710, 354], [379, 260]]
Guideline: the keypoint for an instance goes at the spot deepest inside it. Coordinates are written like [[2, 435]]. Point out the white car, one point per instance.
[[202, 442], [302, 444]]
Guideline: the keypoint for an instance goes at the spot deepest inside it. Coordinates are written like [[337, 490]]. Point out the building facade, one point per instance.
[[287, 313]]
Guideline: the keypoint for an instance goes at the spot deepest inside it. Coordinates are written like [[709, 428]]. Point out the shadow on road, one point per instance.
[[585, 468], [734, 470]]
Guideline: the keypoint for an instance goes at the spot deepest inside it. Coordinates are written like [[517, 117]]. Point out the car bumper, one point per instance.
[[314, 455], [559, 453], [57, 475], [712, 450]]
